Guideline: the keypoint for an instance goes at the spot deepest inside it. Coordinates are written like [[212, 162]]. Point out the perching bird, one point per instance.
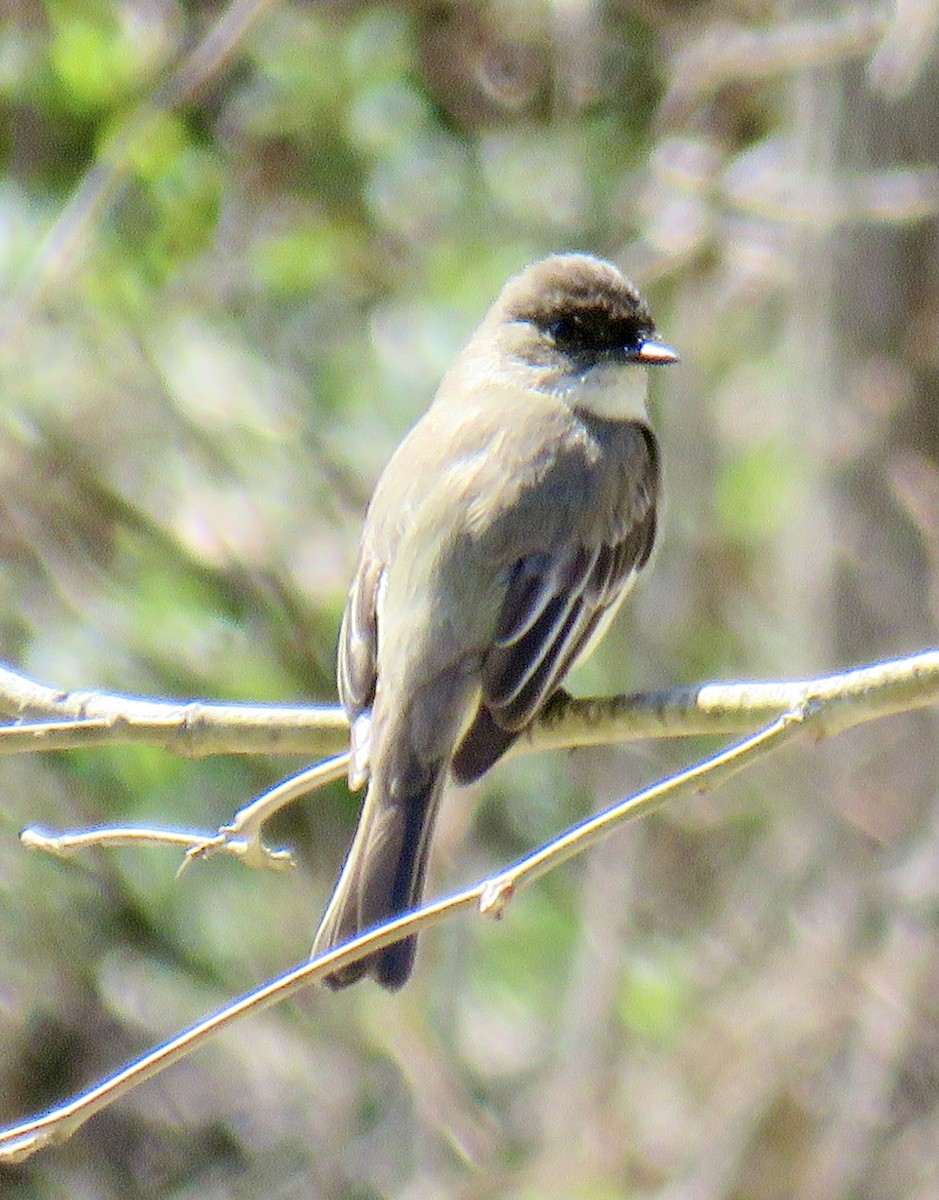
[[499, 542]]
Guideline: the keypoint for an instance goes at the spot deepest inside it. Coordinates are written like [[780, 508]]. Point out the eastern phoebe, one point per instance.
[[500, 540]]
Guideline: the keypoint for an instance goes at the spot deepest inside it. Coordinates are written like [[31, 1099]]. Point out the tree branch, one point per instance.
[[47, 718], [198, 727], [828, 704], [490, 896]]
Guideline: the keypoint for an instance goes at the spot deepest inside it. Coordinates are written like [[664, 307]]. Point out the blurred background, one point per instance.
[[238, 246]]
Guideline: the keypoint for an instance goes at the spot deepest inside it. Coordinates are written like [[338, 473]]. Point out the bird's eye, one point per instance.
[[596, 334], [579, 333], [566, 329]]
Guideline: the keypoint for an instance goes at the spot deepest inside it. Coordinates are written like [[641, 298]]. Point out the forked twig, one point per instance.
[[19, 1142], [849, 698]]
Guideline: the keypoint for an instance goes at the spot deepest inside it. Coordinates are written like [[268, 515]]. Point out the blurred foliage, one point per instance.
[[237, 248]]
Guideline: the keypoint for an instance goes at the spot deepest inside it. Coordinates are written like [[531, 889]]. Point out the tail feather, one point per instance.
[[383, 876]]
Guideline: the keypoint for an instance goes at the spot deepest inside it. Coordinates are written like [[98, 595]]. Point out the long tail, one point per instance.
[[383, 876]]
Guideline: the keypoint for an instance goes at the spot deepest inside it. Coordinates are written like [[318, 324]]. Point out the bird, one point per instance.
[[498, 544]]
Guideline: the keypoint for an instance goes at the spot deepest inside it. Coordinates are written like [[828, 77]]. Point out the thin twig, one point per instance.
[[849, 698], [242, 837], [490, 896]]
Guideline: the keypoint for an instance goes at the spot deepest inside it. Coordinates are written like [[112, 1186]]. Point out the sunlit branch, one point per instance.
[[46, 718], [850, 698], [490, 896]]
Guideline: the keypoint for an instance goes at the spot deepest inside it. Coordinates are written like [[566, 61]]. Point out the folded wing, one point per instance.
[[555, 604]]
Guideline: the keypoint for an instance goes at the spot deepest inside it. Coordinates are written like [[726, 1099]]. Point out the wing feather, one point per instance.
[[572, 596], [516, 656], [357, 665], [537, 581], [519, 675]]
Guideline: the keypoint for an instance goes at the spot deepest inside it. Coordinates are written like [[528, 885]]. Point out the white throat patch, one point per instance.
[[615, 392]]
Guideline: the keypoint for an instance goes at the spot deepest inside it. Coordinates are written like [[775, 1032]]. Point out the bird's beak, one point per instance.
[[655, 354]]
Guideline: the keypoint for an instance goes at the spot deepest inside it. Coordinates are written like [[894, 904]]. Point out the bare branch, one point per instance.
[[828, 705], [490, 896], [241, 838], [49, 719], [849, 699]]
